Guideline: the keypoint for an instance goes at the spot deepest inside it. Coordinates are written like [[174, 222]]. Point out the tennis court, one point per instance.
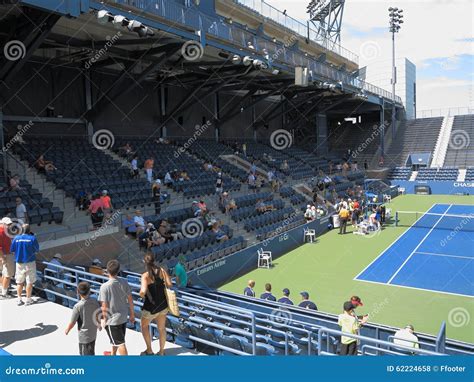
[[435, 253]]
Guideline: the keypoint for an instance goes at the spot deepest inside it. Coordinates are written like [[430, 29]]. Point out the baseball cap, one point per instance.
[[6, 220], [304, 294], [57, 256], [286, 292], [348, 306], [96, 262], [356, 301]]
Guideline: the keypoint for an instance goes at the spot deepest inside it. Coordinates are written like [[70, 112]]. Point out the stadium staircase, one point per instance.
[[441, 147], [461, 175], [460, 151], [418, 135], [413, 176]]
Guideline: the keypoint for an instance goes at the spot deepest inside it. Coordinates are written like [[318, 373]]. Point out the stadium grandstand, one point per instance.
[[218, 178]]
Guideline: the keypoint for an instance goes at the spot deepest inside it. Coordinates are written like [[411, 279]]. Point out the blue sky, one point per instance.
[[441, 47]]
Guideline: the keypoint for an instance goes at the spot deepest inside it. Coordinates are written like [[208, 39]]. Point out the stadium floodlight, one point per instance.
[[275, 72], [140, 29], [236, 59], [120, 21], [103, 17]]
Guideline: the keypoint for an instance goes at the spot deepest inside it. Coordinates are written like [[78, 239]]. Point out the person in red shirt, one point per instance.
[[96, 209], [106, 201], [148, 166], [7, 261]]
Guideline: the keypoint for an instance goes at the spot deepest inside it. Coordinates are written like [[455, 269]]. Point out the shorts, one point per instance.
[[7, 263], [151, 316], [87, 349], [25, 271], [116, 333], [349, 349]]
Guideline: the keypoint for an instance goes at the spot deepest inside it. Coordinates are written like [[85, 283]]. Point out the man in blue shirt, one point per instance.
[[286, 297], [180, 272], [24, 247], [267, 295], [248, 291], [306, 303]]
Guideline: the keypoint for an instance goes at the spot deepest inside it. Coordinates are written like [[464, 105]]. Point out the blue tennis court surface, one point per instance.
[[436, 253]]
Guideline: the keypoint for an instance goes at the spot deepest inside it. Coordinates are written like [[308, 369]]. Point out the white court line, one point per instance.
[[443, 255], [391, 245], [423, 289], [418, 246]]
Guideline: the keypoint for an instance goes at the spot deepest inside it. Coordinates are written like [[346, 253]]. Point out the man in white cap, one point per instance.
[[7, 262]]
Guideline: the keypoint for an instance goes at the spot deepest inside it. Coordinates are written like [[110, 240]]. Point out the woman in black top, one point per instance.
[[155, 307]]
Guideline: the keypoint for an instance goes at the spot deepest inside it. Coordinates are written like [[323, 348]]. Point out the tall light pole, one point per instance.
[[396, 19]]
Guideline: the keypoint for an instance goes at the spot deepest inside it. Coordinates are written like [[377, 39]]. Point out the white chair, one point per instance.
[[309, 233], [387, 198], [264, 259]]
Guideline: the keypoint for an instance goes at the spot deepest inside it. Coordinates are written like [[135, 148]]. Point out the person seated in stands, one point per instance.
[[345, 168], [251, 180], [284, 166], [184, 176], [168, 231], [263, 207], [155, 239], [134, 164], [43, 165], [139, 223], [96, 267], [145, 236], [168, 179], [338, 167], [126, 150], [195, 208], [354, 166], [227, 202], [129, 226], [220, 234], [308, 215], [203, 207], [253, 168], [208, 166], [306, 303], [15, 183], [267, 295]]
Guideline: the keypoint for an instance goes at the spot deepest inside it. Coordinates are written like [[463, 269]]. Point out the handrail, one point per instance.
[[22, 166], [370, 340]]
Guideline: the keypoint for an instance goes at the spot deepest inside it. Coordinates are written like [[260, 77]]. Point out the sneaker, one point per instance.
[[7, 296], [19, 302], [29, 301]]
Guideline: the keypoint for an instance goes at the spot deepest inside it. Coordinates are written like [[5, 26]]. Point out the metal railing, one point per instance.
[[250, 43], [302, 29], [445, 112]]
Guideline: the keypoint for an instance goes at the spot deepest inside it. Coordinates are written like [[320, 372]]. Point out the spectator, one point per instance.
[[155, 306], [251, 180], [86, 314], [96, 209], [220, 234], [129, 226], [116, 301], [284, 166], [203, 207], [6, 258], [267, 295], [21, 212], [253, 168], [15, 183], [248, 291], [43, 165], [308, 214], [306, 303], [126, 150], [343, 217], [180, 272], [96, 267], [168, 179], [195, 208], [219, 184], [349, 324], [106, 202], [168, 231], [148, 166], [25, 247], [345, 168], [286, 297], [139, 223], [244, 149], [134, 164], [54, 267], [227, 203], [406, 337], [270, 176], [156, 195], [154, 239]]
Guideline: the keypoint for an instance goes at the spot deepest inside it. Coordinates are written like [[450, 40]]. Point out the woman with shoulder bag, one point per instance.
[[155, 306]]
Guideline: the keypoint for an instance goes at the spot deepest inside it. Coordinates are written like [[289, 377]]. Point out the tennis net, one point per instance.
[[433, 220]]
